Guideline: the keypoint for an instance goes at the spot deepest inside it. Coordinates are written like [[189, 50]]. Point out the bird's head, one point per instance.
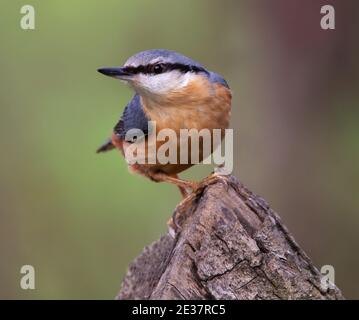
[[158, 73]]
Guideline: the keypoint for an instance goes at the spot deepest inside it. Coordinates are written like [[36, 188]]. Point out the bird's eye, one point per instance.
[[158, 68]]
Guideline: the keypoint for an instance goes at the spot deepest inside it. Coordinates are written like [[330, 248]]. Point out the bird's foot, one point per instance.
[[183, 209], [211, 179]]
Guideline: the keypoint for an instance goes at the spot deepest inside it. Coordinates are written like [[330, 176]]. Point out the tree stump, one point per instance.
[[229, 244]]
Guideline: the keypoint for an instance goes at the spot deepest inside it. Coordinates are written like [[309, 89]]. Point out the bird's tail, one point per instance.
[[107, 146]]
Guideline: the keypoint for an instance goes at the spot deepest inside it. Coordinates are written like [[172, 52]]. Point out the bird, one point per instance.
[[175, 92]]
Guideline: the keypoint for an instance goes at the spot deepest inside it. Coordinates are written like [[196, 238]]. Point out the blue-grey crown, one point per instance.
[[166, 56]]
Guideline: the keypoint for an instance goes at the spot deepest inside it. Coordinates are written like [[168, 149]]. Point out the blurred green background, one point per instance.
[[80, 218]]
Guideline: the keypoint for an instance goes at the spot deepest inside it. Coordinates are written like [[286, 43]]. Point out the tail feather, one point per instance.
[[107, 146]]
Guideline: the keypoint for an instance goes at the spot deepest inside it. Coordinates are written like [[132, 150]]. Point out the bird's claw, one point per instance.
[[183, 207], [212, 179]]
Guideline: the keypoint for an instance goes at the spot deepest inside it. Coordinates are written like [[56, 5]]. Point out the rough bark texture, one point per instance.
[[229, 245]]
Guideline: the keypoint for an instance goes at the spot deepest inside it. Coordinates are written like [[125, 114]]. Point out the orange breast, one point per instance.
[[199, 105]]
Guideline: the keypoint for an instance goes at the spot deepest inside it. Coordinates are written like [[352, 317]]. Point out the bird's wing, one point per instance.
[[134, 119]]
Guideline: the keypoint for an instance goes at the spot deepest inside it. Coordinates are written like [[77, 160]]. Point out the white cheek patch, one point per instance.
[[165, 82]]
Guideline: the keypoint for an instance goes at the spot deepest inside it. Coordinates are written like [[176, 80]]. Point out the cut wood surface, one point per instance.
[[229, 244]]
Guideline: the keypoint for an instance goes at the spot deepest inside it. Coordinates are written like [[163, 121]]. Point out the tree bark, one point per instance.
[[229, 244]]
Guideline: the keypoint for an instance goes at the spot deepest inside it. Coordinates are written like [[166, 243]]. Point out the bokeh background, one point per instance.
[[80, 218]]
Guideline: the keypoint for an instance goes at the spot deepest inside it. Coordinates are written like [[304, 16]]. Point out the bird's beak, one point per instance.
[[115, 72]]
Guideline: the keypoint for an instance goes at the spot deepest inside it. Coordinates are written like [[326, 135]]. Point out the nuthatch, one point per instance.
[[175, 92]]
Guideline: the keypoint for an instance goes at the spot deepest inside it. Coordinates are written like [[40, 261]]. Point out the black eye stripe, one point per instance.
[[150, 68]]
